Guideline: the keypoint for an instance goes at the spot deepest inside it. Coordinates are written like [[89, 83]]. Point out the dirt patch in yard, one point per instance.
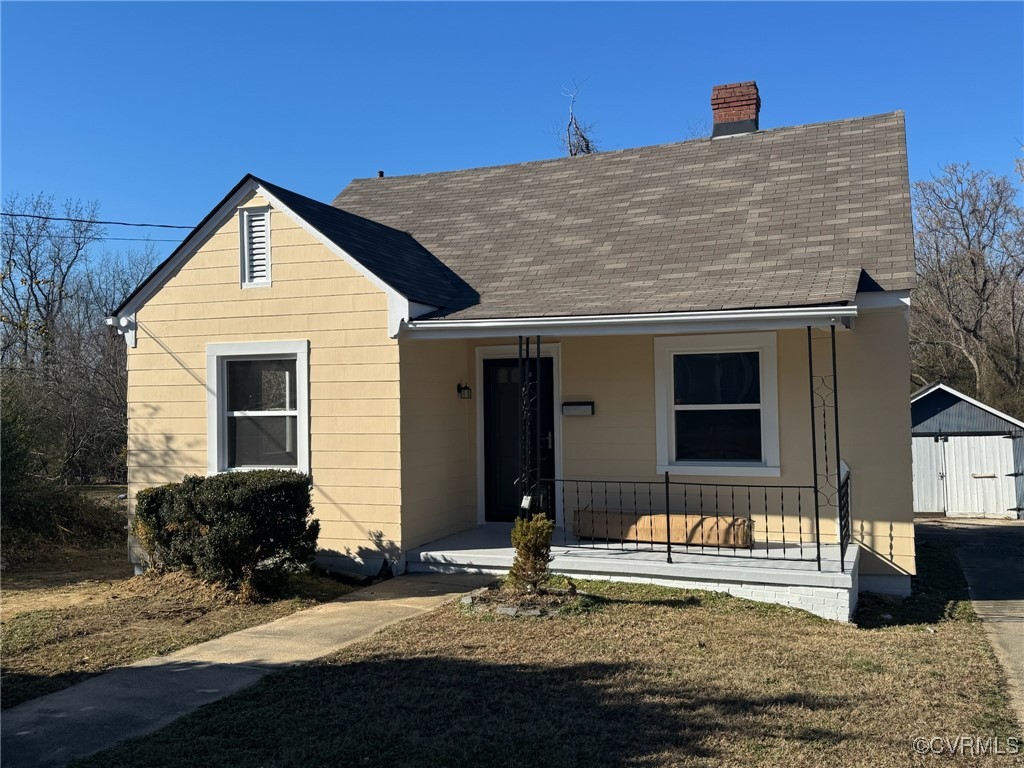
[[71, 576], [67, 621]]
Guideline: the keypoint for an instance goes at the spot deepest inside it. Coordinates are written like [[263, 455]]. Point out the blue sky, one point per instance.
[[156, 110]]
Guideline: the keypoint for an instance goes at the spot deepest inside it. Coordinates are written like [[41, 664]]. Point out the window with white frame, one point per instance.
[[254, 233], [717, 404], [258, 395]]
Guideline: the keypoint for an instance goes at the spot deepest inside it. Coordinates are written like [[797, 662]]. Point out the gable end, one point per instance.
[[400, 308]]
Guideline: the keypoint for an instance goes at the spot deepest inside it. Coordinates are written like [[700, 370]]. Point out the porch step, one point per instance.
[[614, 565], [829, 592]]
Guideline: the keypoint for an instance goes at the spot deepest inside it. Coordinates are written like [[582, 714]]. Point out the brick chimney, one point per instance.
[[735, 108]]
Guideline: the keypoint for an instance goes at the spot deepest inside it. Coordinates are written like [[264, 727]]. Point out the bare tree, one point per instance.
[[91, 375], [968, 309], [63, 369], [40, 254], [577, 139]]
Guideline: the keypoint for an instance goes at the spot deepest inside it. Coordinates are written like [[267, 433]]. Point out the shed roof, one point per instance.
[[941, 410]]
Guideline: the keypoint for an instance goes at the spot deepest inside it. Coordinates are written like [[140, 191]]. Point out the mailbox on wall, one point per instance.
[[578, 408]]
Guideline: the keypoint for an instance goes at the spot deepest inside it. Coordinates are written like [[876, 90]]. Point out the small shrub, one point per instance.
[[245, 529], [532, 541]]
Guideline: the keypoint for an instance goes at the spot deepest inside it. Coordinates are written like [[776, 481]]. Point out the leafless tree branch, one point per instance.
[[577, 139], [968, 309]]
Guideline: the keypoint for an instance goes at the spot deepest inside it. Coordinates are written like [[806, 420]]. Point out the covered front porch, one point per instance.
[[702, 455]]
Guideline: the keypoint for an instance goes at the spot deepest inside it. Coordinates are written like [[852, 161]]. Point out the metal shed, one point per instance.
[[968, 457]]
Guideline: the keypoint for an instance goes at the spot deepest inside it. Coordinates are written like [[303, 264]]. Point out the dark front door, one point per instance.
[[502, 494]]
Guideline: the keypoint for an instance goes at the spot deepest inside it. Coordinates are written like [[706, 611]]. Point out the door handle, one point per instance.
[[551, 441]]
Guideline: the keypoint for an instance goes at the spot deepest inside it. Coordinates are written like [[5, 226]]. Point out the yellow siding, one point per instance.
[[874, 408], [353, 368], [438, 444]]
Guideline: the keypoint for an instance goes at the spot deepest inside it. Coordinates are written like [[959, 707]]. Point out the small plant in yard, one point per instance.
[[245, 529], [532, 541]]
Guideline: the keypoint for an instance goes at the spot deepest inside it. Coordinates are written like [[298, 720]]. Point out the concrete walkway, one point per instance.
[[991, 553], [102, 711]]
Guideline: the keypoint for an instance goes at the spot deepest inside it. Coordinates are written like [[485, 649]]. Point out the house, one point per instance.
[[968, 457], [692, 356]]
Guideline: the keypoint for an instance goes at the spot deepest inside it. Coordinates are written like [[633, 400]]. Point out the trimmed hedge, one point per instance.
[[240, 528]]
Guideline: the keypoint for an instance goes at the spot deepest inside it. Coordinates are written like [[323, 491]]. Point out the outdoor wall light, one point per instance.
[[465, 393]]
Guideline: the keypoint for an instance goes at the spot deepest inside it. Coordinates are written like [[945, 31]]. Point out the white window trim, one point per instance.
[[216, 417], [763, 343], [243, 244]]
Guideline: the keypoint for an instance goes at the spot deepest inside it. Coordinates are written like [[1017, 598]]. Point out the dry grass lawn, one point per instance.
[[83, 613], [642, 676]]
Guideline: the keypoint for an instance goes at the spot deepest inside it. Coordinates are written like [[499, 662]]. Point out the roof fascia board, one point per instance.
[[877, 300], [399, 307], [618, 325], [971, 400], [186, 249], [331, 245]]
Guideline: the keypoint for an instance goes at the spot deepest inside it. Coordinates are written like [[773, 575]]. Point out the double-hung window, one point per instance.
[[258, 395], [717, 404]]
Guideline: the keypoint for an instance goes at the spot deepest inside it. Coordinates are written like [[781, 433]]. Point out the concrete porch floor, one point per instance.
[[760, 574]]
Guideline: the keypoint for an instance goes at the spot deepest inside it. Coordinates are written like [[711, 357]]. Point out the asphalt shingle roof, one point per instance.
[[788, 217], [392, 255]]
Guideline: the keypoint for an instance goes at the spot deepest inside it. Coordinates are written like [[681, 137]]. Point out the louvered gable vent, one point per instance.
[[256, 246]]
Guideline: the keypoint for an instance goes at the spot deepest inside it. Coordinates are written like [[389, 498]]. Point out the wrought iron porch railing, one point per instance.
[[772, 522]]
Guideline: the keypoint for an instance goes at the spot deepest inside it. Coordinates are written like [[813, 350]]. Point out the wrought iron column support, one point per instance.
[[814, 446], [529, 423], [519, 447], [668, 521], [839, 463], [525, 458], [535, 486]]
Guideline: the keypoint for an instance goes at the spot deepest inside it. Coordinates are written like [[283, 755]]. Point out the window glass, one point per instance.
[[718, 435], [717, 378], [259, 439], [262, 441], [261, 385]]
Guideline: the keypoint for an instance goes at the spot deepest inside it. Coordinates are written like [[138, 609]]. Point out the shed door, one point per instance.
[[929, 476], [979, 477]]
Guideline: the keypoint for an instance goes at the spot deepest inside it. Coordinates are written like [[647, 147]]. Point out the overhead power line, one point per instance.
[[94, 221], [143, 239], [123, 239]]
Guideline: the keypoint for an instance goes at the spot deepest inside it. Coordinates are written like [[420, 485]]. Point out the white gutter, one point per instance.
[[614, 325]]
